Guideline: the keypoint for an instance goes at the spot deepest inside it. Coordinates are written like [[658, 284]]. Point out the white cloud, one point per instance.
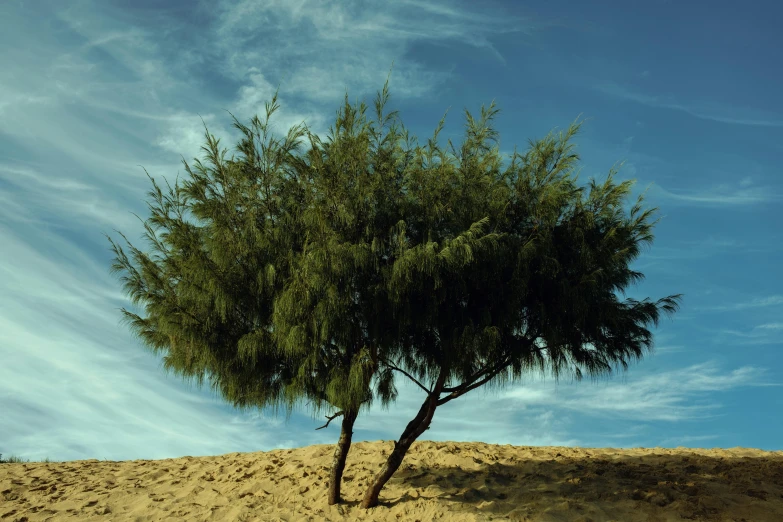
[[252, 100], [687, 440], [706, 247], [541, 412], [183, 134], [720, 195], [757, 302], [39, 198], [328, 46], [769, 333], [480, 415], [663, 396], [715, 112], [771, 326]]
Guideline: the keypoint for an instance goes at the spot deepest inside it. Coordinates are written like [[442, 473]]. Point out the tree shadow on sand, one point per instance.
[[696, 487]]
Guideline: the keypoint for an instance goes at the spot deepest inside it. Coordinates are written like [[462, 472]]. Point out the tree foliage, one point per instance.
[[506, 270], [219, 255], [256, 265]]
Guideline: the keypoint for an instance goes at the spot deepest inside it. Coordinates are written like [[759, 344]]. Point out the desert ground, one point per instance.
[[446, 481]]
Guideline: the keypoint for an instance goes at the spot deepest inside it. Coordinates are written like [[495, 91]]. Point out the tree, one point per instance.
[[249, 287], [320, 277], [511, 270]]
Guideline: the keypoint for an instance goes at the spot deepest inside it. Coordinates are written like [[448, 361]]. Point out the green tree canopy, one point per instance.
[[506, 270], [256, 264]]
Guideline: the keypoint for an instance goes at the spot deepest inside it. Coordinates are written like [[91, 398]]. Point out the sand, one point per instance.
[[437, 481]]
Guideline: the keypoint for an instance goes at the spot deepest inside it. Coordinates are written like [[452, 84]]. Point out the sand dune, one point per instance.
[[438, 481]]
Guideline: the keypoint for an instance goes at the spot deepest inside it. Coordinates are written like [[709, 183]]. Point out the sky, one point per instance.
[[685, 93]]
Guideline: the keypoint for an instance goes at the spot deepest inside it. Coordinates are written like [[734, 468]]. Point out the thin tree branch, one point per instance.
[[473, 377], [330, 419], [462, 390], [471, 384], [481, 373], [409, 376]]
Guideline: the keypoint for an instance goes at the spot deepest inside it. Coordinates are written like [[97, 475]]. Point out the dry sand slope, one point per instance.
[[437, 481]]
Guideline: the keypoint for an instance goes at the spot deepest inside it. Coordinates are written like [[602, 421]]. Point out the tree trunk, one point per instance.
[[340, 454], [414, 429]]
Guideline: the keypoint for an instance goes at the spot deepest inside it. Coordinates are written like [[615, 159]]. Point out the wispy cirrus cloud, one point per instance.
[[665, 396], [719, 195], [758, 302], [687, 439], [706, 247], [763, 334], [770, 326], [469, 419], [723, 113], [371, 36], [40, 198], [540, 410]]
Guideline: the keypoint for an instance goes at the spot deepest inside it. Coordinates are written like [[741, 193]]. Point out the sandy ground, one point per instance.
[[437, 481]]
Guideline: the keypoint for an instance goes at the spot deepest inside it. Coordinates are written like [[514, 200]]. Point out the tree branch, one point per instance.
[[409, 376], [463, 391], [475, 376], [330, 419], [471, 384], [465, 387]]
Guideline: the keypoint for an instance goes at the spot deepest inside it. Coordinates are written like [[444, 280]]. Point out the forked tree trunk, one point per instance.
[[340, 454], [414, 429]]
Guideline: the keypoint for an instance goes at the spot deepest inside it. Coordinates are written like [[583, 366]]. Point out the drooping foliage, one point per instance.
[[337, 296], [500, 252], [264, 272], [220, 245], [502, 271], [257, 261], [523, 254]]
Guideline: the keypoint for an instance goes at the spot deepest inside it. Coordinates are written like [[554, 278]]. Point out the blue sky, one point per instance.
[[687, 95]]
